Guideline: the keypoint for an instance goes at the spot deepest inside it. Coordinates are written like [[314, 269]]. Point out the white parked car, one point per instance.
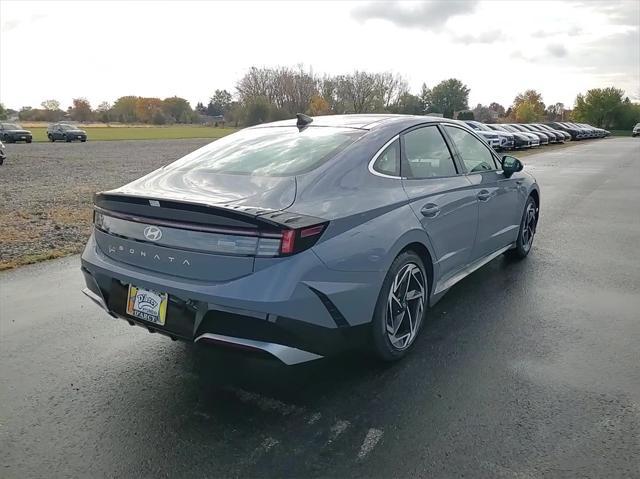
[[636, 130]]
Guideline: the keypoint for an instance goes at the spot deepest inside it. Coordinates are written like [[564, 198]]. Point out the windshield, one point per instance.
[[11, 126], [271, 151], [510, 128]]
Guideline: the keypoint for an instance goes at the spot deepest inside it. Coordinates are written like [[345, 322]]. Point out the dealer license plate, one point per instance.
[[147, 305]]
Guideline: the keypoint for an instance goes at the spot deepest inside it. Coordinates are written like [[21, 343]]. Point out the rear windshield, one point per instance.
[[271, 151]]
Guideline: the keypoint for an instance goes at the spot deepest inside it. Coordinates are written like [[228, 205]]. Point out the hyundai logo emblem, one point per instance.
[[152, 233]]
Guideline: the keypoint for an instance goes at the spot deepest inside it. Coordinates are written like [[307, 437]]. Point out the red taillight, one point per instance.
[[288, 241], [294, 241]]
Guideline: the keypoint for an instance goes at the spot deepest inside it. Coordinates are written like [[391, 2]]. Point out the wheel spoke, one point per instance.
[[405, 306]]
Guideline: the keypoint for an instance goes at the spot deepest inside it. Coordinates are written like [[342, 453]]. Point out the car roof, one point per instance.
[[361, 121]]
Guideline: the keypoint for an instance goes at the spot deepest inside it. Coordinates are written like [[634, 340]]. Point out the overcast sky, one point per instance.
[[103, 50]]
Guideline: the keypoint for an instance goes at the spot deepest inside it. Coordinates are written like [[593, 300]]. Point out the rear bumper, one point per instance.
[[296, 316]]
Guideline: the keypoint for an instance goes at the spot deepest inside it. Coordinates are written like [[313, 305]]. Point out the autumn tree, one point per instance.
[[528, 107], [449, 96], [3, 112], [81, 110], [318, 106], [103, 112]]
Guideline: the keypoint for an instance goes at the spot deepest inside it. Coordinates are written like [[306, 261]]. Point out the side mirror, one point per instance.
[[511, 165]]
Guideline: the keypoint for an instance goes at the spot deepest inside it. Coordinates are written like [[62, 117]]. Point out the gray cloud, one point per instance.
[[426, 15], [490, 36], [573, 31], [557, 50]]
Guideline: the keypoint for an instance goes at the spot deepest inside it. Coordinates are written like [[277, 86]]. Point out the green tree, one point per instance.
[[449, 96], [466, 115], [177, 109], [258, 110], [408, 104], [425, 98], [124, 109], [51, 105], [103, 112], [599, 107], [219, 103], [526, 112], [3, 112]]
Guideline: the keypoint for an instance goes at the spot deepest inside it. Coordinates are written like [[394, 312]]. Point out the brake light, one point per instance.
[[296, 240], [288, 241]]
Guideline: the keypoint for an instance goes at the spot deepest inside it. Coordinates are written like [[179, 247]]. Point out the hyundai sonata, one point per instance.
[[298, 239]]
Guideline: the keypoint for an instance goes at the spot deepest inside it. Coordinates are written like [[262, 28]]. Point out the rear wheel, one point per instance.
[[67, 139], [527, 231], [401, 306]]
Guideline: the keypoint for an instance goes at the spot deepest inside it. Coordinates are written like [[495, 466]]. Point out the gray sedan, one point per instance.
[[301, 238]]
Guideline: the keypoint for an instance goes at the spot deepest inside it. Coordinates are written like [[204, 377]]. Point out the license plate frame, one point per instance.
[[147, 305]]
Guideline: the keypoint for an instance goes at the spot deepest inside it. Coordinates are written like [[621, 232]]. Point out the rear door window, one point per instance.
[[426, 154], [475, 155]]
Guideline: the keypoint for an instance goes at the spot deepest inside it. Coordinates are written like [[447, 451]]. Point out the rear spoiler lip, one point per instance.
[[278, 219]]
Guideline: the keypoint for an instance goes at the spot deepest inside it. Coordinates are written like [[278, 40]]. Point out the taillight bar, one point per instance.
[[296, 240]]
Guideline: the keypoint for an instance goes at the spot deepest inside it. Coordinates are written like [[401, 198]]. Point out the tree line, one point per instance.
[[270, 94]]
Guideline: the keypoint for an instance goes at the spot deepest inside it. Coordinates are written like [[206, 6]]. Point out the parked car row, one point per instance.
[[514, 136], [13, 133]]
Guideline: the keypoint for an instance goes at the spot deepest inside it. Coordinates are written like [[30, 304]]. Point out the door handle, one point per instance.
[[430, 210], [484, 195]]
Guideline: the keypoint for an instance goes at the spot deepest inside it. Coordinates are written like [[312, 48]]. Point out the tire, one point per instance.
[[527, 231], [84, 141], [51, 138], [387, 344], [29, 140], [67, 139]]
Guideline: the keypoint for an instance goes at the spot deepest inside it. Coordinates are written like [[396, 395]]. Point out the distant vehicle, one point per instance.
[[565, 135], [520, 140], [575, 133], [553, 136], [636, 130], [66, 132], [507, 141], [542, 138], [533, 139], [300, 238], [3, 155], [12, 133]]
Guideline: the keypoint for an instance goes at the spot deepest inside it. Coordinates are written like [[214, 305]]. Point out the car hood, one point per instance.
[[211, 188], [21, 132]]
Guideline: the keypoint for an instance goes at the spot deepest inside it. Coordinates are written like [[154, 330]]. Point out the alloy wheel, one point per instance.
[[529, 226], [405, 306]]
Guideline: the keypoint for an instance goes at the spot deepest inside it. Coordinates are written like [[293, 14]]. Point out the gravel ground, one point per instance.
[[46, 190]]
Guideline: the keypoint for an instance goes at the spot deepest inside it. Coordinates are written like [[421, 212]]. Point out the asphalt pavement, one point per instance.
[[523, 370]]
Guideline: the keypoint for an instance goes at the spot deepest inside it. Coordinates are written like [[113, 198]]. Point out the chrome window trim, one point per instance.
[[378, 153]]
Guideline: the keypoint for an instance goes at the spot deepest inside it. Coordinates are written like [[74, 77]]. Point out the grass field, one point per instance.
[[141, 132]]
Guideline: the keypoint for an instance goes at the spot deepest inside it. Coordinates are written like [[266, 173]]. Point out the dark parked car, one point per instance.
[[302, 238], [12, 133], [534, 140], [520, 140], [565, 135], [553, 136], [3, 155], [576, 133], [65, 132], [544, 139]]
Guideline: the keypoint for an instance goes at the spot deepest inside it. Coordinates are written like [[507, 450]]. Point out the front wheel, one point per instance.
[[527, 231], [51, 138], [401, 307]]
